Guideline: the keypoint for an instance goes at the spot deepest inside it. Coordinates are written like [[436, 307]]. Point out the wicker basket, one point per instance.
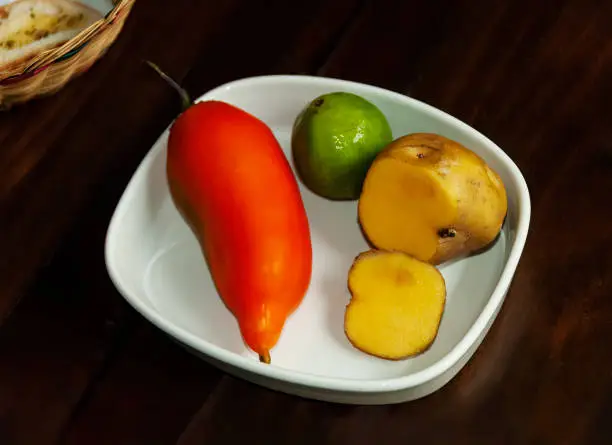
[[50, 70]]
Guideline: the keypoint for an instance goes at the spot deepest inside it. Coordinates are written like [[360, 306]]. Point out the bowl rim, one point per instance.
[[436, 369]]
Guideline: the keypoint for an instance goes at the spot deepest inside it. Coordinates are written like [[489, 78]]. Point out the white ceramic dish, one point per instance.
[[104, 6], [155, 262]]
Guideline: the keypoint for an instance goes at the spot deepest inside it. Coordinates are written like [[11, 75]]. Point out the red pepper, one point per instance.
[[234, 186]]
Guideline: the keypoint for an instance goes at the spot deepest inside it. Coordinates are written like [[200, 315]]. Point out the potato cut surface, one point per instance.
[[396, 306], [403, 206]]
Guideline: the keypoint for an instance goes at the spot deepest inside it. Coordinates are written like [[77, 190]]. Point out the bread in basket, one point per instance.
[[46, 43]]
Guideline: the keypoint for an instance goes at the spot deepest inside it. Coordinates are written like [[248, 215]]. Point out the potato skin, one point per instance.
[[477, 190]]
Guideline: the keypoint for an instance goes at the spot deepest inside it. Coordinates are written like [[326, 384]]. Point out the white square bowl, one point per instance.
[[155, 262]]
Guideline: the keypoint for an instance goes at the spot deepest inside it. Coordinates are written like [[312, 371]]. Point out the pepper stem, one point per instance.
[[185, 99]]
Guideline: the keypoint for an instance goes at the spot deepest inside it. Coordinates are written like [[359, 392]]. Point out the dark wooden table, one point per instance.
[[78, 366]]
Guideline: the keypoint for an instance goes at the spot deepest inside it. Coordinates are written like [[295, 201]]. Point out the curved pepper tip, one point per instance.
[[264, 357]]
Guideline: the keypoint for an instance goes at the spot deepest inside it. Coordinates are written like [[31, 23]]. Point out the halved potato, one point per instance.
[[431, 197], [396, 304]]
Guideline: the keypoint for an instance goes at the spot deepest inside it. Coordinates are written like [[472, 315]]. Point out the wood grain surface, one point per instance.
[[78, 366]]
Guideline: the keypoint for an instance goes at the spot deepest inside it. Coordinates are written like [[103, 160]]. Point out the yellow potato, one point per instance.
[[396, 304], [432, 198]]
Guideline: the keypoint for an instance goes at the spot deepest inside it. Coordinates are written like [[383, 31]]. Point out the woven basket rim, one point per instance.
[[69, 48]]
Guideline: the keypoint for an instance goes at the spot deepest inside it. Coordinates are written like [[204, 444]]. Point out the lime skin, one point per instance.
[[334, 141]]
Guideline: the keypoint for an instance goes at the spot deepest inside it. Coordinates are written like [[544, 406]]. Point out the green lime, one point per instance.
[[335, 140]]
